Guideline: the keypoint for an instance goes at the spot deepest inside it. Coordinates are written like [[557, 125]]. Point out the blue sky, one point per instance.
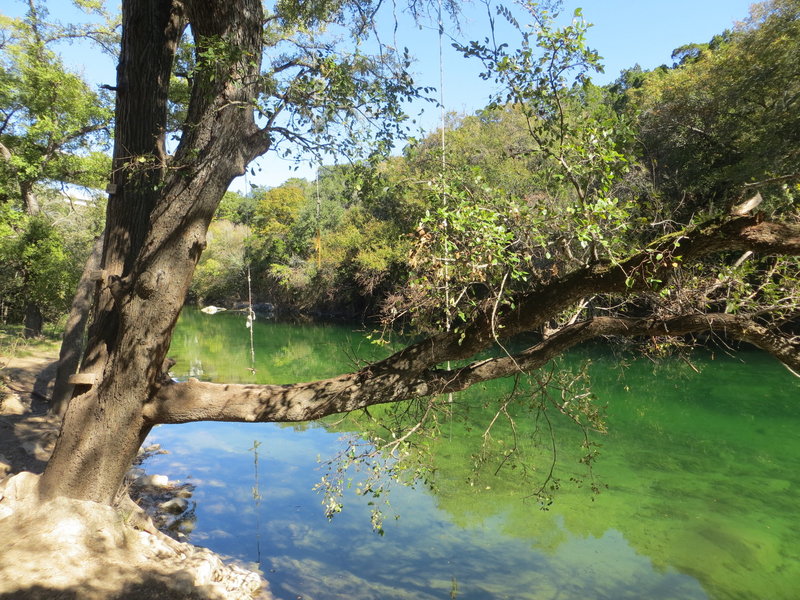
[[624, 32]]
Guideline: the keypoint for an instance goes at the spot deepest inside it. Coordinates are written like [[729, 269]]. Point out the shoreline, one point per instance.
[[75, 549]]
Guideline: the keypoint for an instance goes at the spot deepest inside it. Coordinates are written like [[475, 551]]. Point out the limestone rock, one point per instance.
[[11, 404], [71, 548], [156, 481]]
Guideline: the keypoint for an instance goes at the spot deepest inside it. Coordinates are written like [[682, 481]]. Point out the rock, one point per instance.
[[156, 481], [5, 467], [12, 404], [135, 473], [77, 549], [17, 488], [264, 309], [175, 506], [34, 448], [211, 310]]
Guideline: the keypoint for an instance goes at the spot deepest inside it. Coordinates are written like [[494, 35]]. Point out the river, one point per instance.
[[698, 480]]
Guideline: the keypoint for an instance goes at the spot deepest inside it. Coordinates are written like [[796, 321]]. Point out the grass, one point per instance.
[[14, 343]]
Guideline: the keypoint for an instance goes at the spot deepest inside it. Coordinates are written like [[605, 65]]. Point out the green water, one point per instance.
[[699, 472]]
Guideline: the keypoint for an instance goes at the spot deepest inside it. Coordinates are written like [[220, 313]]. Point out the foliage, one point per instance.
[[327, 245], [548, 178], [53, 131], [35, 267], [547, 79], [726, 116], [221, 274], [53, 126]]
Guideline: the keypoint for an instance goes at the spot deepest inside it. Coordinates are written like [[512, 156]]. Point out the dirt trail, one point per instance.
[[27, 431], [33, 373]]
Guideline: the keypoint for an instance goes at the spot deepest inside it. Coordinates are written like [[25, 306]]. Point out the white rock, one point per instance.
[[19, 487], [135, 472], [12, 405], [204, 572], [158, 481]]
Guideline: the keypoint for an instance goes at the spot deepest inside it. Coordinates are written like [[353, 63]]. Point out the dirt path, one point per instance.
[[32, 373], [27, 431]]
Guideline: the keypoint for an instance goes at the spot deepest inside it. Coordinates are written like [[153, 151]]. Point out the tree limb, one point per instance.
[[412, 372], [389, 381]]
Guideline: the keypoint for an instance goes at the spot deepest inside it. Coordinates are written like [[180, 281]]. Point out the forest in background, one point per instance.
[[649, 153], [512, 200]]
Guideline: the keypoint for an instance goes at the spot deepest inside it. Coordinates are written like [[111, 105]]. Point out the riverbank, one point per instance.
[[71, 549]]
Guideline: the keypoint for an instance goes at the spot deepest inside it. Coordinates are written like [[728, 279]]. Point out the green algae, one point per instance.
[[699, 475]]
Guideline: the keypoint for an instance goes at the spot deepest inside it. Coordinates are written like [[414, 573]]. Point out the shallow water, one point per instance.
[[702, 474]]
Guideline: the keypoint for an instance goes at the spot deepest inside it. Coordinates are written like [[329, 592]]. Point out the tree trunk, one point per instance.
[[72, 342], [33, 321], [29, 198], [103, 427], [157, 217]]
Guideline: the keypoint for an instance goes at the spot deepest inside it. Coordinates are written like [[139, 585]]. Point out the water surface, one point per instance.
[[699, 474]]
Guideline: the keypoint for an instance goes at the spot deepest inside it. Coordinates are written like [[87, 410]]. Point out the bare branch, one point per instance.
[[387, 381]]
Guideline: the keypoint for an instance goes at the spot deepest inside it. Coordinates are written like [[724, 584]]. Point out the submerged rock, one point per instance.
[[156, 481], [175, 506]]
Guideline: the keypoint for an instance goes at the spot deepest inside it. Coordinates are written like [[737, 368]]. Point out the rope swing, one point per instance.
[[443, 182], [251, 317]]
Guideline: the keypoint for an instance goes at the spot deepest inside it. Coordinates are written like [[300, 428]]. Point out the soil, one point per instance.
[[69, 549]]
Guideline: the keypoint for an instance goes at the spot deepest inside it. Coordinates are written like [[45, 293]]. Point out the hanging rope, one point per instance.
[[319, 227], [443, 184], [251, 317], [442, 176]]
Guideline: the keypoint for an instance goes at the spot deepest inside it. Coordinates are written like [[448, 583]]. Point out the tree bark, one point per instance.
[[29, 198], [392, 381], [102, 427], [34, 322], [74, 330], [157, 219]]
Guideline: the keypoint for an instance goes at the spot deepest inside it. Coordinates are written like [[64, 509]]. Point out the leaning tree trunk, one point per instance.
[[158, 214], [72, 343], [34, 322]]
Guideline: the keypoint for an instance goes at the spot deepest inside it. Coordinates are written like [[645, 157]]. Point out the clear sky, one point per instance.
[[624, 32]]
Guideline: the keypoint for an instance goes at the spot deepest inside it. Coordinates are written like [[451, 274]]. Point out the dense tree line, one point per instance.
[[646, 155], [54, 131]]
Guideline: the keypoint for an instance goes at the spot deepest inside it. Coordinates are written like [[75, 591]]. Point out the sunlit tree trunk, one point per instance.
[[158, 214]]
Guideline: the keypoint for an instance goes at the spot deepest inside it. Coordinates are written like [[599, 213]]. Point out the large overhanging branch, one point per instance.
[[742, 328], [636, 274], [413, 371], [389, 380]]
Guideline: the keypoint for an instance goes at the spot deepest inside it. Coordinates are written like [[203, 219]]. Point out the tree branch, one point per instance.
[[413, 372], [391, 381]]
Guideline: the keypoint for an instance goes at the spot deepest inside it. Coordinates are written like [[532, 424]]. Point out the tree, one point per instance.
[[161, 205], [221, 274], [725, 118], [52, 129], [36, 271]]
